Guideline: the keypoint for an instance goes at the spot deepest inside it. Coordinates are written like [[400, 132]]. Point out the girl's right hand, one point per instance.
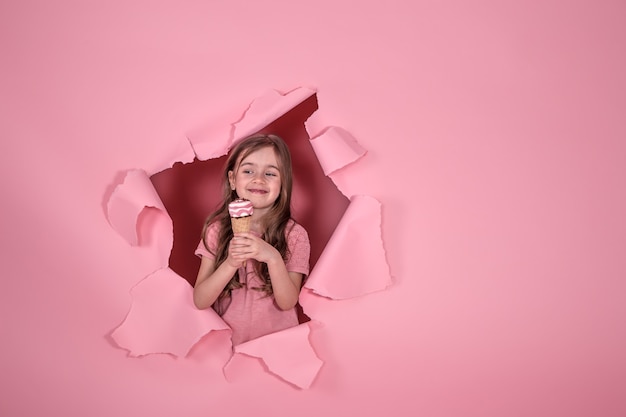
[[237, 252]]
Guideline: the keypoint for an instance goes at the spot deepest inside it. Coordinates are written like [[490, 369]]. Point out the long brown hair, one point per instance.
[[274, 222]]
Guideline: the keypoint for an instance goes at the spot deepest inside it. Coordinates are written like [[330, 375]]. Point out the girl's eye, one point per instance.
[[247, 171], [270, 174]]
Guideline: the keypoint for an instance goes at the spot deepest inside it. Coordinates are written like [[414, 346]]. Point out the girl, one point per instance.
[[253, 279]]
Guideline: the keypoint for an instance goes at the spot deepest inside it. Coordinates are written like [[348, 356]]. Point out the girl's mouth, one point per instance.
[[257, 191]]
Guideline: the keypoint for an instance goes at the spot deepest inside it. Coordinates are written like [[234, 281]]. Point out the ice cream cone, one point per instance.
[[240, 216], [241, 224]]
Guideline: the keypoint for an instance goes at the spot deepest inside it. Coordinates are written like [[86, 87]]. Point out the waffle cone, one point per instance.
[[240, 224]]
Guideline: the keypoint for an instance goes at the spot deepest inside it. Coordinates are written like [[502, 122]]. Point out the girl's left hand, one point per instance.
[[251, 246]]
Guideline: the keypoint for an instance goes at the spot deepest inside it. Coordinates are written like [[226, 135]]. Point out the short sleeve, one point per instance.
[[211, 240], [299, 250]]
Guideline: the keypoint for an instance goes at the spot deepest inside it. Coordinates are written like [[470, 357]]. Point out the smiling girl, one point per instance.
[[253, 279]]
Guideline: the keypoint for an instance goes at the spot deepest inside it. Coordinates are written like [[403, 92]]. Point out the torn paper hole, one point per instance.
[[187, 191]]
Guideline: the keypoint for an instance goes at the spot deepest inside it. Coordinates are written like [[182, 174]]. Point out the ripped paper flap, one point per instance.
[[135, 206], [267, 108], [215, 139], [128, 200], [287, 354], [336, 148], [163, 318], [212, 139], [353, 262]]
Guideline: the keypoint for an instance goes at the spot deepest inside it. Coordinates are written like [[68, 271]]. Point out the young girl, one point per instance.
[[253, 279]]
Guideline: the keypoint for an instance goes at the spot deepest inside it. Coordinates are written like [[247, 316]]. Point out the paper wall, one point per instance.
[[495, 144]]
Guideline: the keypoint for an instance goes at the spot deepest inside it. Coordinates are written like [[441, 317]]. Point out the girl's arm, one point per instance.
[[286, 285], [211, 282]]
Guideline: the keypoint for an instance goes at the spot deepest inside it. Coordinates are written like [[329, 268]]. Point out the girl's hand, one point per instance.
[[245, 246], [236, 253]]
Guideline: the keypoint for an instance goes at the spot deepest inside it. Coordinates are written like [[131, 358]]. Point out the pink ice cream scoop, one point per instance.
[[240, 208]]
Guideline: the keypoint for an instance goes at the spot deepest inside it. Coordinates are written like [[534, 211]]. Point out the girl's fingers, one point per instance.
[[245, 237], [240, 240], [243, 246]]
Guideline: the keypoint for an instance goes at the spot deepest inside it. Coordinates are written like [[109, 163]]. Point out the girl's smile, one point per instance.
[[257, 191]]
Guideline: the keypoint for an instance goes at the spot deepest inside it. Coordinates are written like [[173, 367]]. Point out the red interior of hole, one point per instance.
[[191, 191]]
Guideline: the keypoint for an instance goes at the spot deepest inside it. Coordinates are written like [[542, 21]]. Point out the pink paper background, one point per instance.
[[496, 144]]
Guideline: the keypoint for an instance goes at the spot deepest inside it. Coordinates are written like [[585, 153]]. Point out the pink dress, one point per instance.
[[251, 313]]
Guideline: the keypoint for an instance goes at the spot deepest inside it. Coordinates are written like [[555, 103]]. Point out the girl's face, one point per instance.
[[258, 179]]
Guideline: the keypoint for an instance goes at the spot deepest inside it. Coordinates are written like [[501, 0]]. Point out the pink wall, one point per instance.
[[496, 144]]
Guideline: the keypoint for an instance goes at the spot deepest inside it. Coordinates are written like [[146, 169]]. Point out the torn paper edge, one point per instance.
[[302, 370], [260, 113]]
